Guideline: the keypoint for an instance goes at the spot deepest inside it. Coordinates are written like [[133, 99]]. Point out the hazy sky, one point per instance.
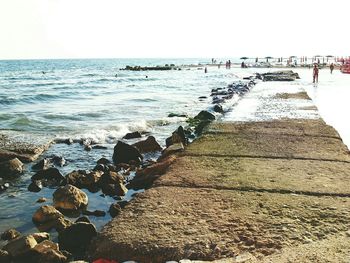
[[178, 28]]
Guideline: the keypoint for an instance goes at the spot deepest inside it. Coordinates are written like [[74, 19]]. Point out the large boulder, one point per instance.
[[84, 179], [11, 168], [114, 210], [124, 153], [111, 178], [35, 186], [148, 145], [20, 246], [42, 165], [69, 197], [204, 116], [45, 214], [76, 237], [117, 189], [47, 251], [172, 149], [48, 174], [178, 136]]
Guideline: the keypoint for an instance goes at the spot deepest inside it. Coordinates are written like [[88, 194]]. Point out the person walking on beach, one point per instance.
[[315, 74], [331, 68]]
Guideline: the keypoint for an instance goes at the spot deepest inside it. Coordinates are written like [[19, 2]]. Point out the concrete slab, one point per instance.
[[172, 223], [270, 146], [260, 174]]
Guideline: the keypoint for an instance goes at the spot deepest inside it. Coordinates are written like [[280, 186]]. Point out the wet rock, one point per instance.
[[177, 136], [172, 149], [5, 256], [104, 161], [48, 174], [114, 209], [88, 148], [41, 200], [20, 246], [97, 213], [45, 214], [77, 237], [74, 177], [204, 116], [40, 237], [124, 153], [111, 178], [171, 115], [218, 108], [148, 145], [284, 75], [11, 168], [10, 234], [67, 141], [118, 189], [47, 251], [145, 177], [91, 178], [101, 167], [58, 160], [132, 135], [42, 165], [69, 197], [4, 187], [35, 186], [99, 147], [83, 219], [83, 179]]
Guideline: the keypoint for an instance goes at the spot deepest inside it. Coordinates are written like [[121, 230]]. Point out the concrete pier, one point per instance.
[[267, 191]]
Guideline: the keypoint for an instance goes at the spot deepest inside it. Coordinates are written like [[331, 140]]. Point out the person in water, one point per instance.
[[315, 74], [331, 67]]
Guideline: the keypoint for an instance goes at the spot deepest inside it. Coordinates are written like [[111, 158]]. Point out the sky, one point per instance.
[[32, 29]]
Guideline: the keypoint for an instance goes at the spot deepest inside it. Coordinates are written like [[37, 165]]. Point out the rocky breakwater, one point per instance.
[[152, 68], [257, 191]]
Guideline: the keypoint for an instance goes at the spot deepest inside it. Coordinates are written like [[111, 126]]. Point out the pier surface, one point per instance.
[[259, 191]]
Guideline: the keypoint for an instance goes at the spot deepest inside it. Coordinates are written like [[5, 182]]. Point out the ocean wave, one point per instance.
[[114, 133]]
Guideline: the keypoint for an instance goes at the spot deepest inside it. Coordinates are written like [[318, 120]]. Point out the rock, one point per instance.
[[284, 75], [11, 168], [172, 149], [74, 177], [20, 246], [114, 209], [5, 257], [88, 148], [124, 153], [132, 135], [83, 179], [103, 161], [76, 237], [48, 174], [204, 116], [68, 141], [171, 115], [69, 197], [35, 186], [58, 160], [40, 237], [99, 147], [47, 251], [41, 200], [42, 165], [101, 167], [4, 187], [118, 189], [97, 213], [83, 219], [45, 214], [218, 108], [148, 145], [10, 234], [145, 177], [111, 178]]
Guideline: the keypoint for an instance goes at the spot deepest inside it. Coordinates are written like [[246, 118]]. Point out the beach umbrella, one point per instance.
[[267, 58]]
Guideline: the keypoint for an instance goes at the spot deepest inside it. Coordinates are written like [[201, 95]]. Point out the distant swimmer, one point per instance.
[[315, 74], [116, 75], [331, 67], [205, 70], [146, 77], [43, 72]]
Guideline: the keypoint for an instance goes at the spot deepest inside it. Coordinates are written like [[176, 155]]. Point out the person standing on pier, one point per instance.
[[331, 67], [315, 74]]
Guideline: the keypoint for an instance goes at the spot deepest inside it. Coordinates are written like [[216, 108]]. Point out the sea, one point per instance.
[[95, 99]]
